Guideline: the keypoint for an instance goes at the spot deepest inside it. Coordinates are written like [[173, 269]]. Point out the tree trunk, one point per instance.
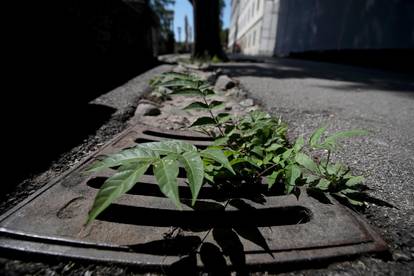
[[207, 29]]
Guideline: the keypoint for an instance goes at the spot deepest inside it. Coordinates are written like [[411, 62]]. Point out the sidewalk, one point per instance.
[[309, 94], [306, 95]]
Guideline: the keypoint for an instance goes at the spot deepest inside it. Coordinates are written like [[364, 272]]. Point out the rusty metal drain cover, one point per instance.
[[141, 228]]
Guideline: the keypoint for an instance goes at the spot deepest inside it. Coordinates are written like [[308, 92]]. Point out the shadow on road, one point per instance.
[[355, 77]]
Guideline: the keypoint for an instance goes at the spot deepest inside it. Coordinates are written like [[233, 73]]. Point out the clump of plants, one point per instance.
[[247, 153]]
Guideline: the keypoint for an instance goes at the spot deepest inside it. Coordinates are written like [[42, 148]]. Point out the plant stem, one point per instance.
[[266, 170], [327, 160], [209, 231], [212, 116]]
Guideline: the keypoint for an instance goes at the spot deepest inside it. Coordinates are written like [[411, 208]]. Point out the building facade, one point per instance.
[[253, 26], [281, 27]]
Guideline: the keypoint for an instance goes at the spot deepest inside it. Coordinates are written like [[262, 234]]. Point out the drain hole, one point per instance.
[[177, 136], [207, 192], [144, 140], [150, 189], [207, 216]]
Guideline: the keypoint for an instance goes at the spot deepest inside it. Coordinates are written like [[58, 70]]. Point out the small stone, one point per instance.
[[252, 108], [207, 76], [401, 257], [180, 69], [228, 107], [197, 66], [247, 103], [224, 83], [147, 109], [232, 92], [179, 120]]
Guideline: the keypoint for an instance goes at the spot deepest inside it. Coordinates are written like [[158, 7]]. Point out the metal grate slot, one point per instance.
[[269, 230], [148, 187], [205, 216], [199, 145], [177, 136]]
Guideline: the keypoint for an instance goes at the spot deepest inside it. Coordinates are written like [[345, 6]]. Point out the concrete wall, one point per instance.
[[308, 25]]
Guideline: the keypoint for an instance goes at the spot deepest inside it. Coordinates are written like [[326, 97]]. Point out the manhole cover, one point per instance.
[[141, 228]]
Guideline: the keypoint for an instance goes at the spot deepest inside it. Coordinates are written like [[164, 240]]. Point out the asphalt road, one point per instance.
[[311, 94]]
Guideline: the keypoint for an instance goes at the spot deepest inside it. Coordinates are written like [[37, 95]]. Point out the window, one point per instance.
[[258, 4], [254, 38], [253, 10]]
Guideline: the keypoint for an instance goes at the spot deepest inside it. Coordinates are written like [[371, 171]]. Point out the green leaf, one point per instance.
[[298, 144], [350, 191], [292, 173], [180, 83], [155, 81], [167, 147], [218, 156], [267, 158], [137, 154], [118, 184], [276, 159], [204, 86], [306, 162], [323, 184], [271, 179], [223, 117], [209, 177], [194, 167], [350, 200], [237, 161], [253, 161], [330, 169], [345, 134], [258, 162], [166, 172], [187, 92], [287, 154], [312, 178], [258, 150], [196, 105], [202, 121], [331, 141], [216, 105], [221, 141], [315, 138], [354, 180], [208, 92], [273, 147]]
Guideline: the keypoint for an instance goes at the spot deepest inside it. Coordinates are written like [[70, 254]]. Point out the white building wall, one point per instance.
[[281, 27], [269, 28], [246, 26]]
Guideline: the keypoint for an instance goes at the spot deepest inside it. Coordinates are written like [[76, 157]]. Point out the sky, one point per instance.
[[183, 7]]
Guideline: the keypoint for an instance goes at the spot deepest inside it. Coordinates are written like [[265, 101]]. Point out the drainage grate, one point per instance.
[[141, 228]]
